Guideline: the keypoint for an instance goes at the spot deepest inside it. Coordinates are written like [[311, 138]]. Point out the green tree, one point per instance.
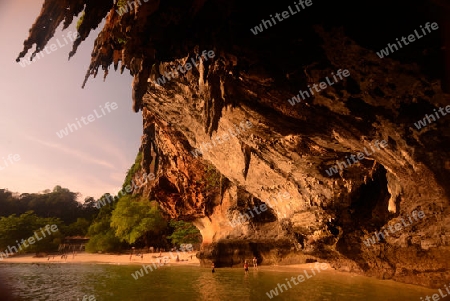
[[184, 232], [102, 237], [134, 218], [212, 178], [80, 227], [14, 229], [89, 209], [103, 241], [133, 169], [60, 203], [7, 203]]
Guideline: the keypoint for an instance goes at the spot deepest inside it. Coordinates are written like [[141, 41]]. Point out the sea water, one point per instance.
[[72, 282]]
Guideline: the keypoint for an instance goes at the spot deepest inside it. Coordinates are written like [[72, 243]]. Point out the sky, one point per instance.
[[40, 99]]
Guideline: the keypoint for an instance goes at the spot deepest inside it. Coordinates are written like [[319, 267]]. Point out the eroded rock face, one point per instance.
[[261, 150]]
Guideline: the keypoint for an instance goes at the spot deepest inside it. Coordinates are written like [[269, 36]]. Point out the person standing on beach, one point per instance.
[[212, 266], [255, 262], [246, 267], [131, 253]]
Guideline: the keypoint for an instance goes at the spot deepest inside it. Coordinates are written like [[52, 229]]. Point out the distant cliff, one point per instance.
[[332, 154]]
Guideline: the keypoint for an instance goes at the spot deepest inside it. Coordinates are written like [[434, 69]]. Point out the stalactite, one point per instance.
[[247, 151]]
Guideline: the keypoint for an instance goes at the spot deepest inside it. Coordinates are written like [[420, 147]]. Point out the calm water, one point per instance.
[[112, 282]]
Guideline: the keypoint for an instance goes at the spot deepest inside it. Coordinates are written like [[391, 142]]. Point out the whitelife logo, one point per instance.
[[53, 47], [322, 85], [242, 218], [127, 189], [436, 296], [300, 278], [421, 124], [183, 69], [411, 38], [397, 227], [341, 164], [140, 273], [91, 118], [284, 15], [30, 240], [207, 146], [124, 8], [11, 158]]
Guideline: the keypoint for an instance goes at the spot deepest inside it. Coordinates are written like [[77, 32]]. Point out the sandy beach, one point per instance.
[[124, 259], [168, 257]]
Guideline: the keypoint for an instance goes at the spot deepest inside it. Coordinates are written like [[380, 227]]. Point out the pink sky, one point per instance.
[[40, 99]]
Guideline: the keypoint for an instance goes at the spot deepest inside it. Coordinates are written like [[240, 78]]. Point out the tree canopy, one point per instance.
[[184, 232], [14, 229], [133, 218], [102, 237], [60, 203]]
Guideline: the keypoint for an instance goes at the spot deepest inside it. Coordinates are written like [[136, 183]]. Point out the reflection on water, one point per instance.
[[71, 282]]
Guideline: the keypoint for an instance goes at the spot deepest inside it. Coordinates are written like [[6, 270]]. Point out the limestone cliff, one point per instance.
[[263, 151]]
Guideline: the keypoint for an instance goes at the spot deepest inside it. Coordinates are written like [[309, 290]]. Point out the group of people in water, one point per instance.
[[254, 260]]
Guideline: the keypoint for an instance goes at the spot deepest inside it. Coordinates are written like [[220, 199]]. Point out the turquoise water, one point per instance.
[[114, 282]]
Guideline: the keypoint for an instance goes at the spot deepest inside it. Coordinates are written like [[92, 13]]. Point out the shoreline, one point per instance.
[[124, 259], [120, 259]]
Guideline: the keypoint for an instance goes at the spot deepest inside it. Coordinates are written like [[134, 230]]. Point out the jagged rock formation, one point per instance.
[[288, 148]]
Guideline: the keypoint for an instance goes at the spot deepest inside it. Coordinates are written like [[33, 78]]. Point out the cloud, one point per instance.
[[102, 141], [73, 152]]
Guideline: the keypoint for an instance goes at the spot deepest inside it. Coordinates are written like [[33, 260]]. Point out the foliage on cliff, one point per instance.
[[102, 236], [184, 232], [136, 217], [132, 171], [80, 21]]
